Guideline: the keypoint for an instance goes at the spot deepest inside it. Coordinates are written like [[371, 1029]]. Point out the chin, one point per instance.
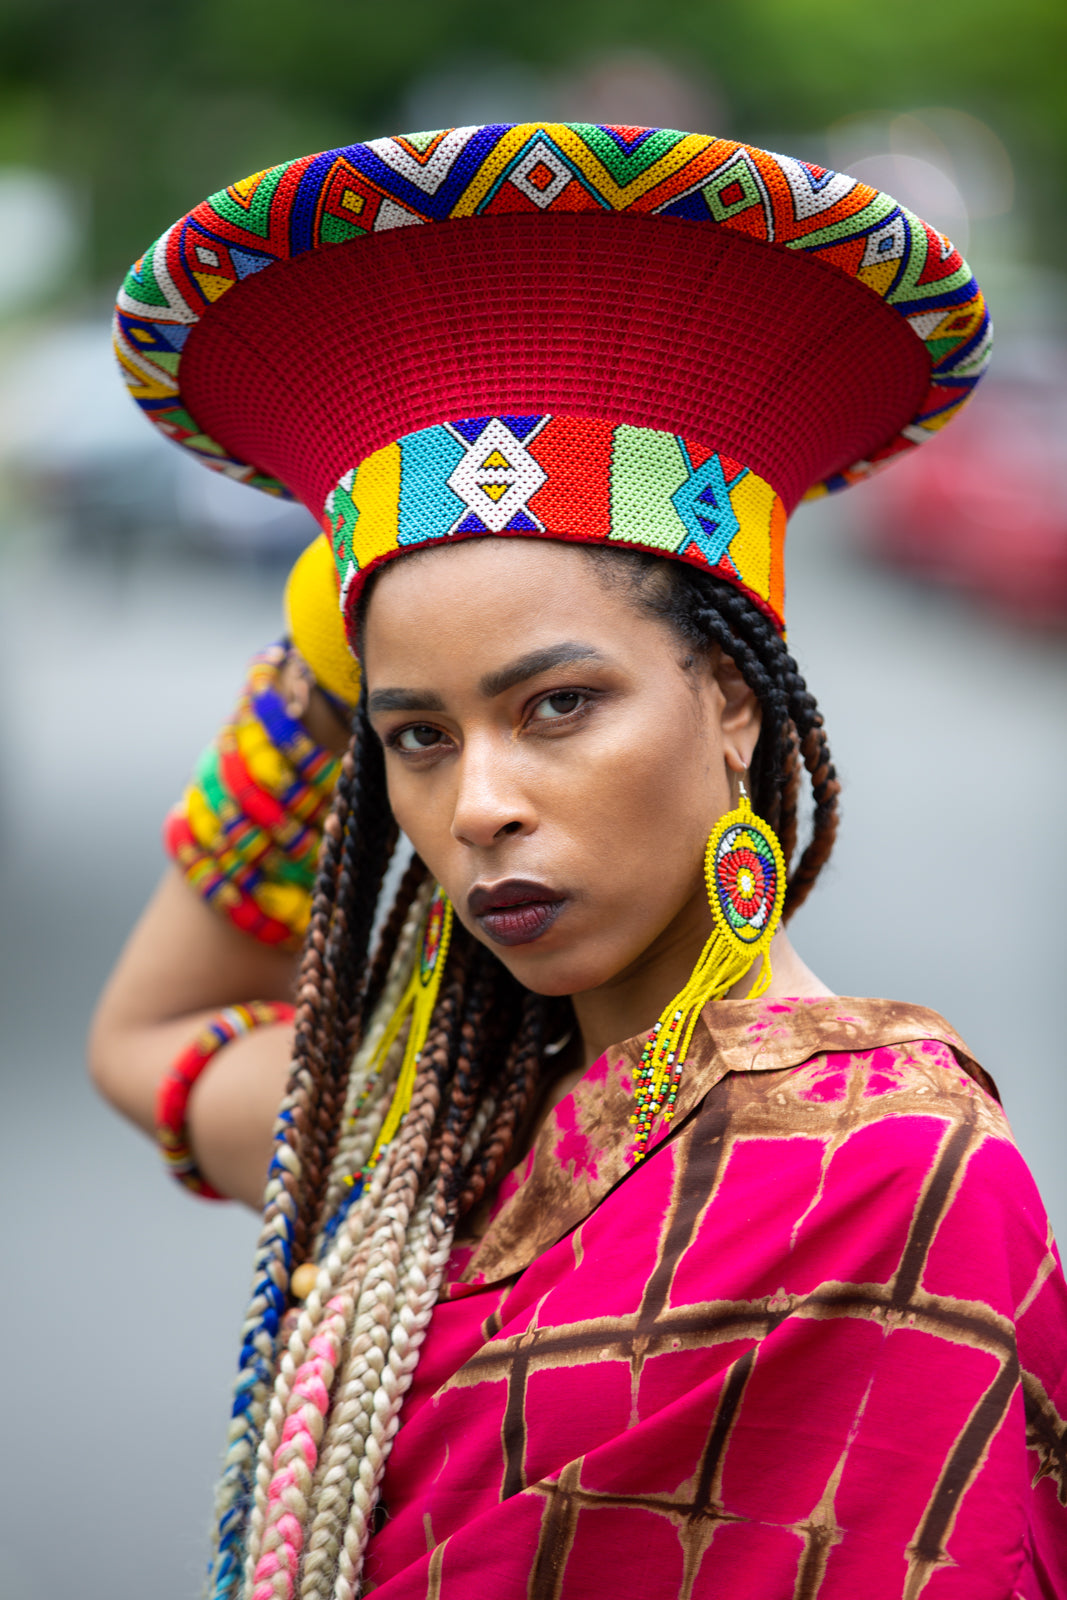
[[553, 973]]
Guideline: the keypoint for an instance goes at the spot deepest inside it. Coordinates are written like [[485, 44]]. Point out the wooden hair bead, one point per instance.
[[303, 1280]]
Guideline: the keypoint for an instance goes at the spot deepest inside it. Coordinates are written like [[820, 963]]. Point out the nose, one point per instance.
[[490, 802]]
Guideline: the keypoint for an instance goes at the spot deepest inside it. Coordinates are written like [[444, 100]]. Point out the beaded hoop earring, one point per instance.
[[744, 871]]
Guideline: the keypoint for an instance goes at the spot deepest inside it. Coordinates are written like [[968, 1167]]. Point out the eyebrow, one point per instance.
[[534, 662], [404, 700], [492, 684]]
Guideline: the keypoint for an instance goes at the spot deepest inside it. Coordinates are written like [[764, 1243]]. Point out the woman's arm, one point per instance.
[[181, 965]]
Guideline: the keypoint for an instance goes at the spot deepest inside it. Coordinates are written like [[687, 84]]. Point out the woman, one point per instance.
[[681, 1274]]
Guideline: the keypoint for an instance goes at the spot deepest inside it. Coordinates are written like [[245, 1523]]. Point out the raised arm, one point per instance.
[[181, 965], [184, 963]]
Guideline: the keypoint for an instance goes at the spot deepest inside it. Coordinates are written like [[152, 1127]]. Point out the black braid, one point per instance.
[[415, 875], [369, 838], [358, 839]]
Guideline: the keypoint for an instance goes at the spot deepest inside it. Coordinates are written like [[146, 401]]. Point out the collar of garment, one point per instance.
[[585, 1145]]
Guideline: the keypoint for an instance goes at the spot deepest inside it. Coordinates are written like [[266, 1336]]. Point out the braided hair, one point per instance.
[[321, 1384]]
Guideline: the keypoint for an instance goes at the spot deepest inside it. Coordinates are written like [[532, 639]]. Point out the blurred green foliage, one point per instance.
[[152, 105]]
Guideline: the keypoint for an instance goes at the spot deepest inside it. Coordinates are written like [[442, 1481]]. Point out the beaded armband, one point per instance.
[[172, 1098], [246, 832]]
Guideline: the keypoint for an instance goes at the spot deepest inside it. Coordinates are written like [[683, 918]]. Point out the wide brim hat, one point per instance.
[[611, 335]]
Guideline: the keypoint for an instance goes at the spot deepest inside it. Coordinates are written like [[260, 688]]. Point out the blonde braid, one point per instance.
[[293, 1429], [277, 1562], [352, 1353], [428, 1249], [424, 1260], [350, 1156], [367, 1404], [272, 1261], [338, 1269], [381, 1355]]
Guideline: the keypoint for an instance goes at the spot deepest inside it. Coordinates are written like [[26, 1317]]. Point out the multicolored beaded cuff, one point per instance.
[[172, 1099], [247, 831]]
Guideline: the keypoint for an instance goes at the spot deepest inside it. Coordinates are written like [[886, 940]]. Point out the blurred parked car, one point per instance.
[[79, 456], [983, 508]]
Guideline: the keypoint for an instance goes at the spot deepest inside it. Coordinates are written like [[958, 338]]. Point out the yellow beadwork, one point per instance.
[[417, 1004], [734, 943], [315, 624]]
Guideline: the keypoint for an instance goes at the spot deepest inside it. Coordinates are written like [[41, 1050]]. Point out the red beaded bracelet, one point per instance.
[[172, 1099]]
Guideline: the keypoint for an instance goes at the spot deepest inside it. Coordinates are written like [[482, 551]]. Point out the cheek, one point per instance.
[[643, 859], [622, 816], [424, 808], [633, 824], [415, 806], [656, 788]]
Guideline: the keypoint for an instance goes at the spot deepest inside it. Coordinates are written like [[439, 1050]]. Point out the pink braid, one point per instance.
[[296, 1457]]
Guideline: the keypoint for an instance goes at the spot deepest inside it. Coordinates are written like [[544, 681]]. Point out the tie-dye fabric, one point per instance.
[[814, 1346]]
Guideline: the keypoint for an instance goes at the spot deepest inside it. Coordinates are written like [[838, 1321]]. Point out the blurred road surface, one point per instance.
[[123, 1295]]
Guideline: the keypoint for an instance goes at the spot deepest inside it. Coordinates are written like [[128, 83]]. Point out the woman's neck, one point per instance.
[[630, 1004]]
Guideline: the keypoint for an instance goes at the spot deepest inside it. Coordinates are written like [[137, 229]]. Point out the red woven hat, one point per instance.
[[612, 334]]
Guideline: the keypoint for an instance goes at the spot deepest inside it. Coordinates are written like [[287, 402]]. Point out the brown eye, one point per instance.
[[420, 736], [557, 705]]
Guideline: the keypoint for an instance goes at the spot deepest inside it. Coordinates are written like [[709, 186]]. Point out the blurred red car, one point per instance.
[[983, 508]]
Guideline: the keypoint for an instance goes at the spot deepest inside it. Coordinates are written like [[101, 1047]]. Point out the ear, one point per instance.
[[740, 715]]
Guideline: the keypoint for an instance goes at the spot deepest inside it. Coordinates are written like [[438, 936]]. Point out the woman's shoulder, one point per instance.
[[894, 1046], [883, 1107], [889, 1078]]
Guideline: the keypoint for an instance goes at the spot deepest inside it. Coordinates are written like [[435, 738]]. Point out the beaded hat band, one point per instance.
[[573, 478], [612, 334]]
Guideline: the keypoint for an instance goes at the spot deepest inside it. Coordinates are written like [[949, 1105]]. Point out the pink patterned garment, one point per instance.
[[816, 1345]]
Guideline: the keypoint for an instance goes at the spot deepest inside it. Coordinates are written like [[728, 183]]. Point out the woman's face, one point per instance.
[[556, 756]]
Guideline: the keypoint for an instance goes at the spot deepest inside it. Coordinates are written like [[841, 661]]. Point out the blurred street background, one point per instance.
[[928, 609]]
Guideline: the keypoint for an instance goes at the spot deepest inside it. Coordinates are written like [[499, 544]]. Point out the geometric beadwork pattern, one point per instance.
[[745, 875], [350, 193], [811, 1347], [571, 477], [496, 474]]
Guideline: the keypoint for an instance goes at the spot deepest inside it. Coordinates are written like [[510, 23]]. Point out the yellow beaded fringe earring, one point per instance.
[[416, 1003], [745, 876]]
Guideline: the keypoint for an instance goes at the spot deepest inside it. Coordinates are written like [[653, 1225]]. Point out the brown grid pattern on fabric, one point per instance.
[[759, 1106], [741, 1036], [766, 354]]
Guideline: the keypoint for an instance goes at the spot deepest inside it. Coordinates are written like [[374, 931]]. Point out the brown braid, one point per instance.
[[515, 1094], [485, 1032], [357, 843], [312, 1022], [415, 875]]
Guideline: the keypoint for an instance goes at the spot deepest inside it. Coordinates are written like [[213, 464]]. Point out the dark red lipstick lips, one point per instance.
[[516, 911]]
